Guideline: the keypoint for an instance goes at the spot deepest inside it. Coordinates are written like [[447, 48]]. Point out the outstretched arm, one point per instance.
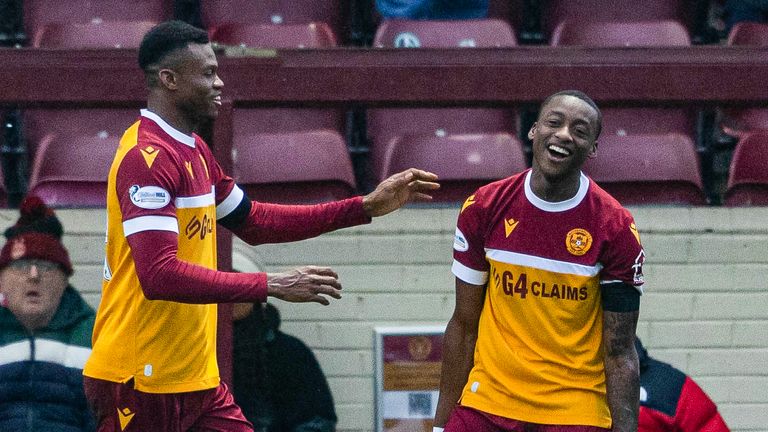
[[459, 347], [622, 370], [258, 223]]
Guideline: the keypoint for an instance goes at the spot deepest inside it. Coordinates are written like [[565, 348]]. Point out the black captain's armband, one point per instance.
[[620, 297], [237, 216]]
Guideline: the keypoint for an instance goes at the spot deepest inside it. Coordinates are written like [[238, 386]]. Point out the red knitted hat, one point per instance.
[[36, 235]]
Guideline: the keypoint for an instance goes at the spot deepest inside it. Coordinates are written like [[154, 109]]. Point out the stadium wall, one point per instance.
[[705, 309]]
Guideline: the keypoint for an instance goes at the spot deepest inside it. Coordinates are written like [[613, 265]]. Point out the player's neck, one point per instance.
[[555, 189], [172, 115]]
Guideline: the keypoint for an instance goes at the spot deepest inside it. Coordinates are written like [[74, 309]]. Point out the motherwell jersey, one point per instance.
[[161, 180], [538, 356]]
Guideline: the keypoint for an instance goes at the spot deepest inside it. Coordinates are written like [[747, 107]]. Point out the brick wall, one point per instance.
[[705, 308]]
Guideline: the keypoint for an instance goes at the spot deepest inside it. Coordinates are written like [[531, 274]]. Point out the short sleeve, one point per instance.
[[146, 186], [469, 263], [624, 256]]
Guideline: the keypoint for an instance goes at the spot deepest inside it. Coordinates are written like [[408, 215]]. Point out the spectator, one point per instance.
[[278, 382], [670, 401], [45, 329], [432, 9]]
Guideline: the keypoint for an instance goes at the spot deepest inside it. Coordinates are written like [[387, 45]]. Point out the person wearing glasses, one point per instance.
[[45, 329]]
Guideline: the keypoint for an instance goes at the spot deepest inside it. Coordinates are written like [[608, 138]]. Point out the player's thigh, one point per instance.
[[220, 413], [120, 408], [465, 419]]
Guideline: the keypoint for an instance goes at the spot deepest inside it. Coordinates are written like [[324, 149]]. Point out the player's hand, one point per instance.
[[401, 188], [304, 284]]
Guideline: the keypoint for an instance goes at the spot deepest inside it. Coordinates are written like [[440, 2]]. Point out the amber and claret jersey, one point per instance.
[[538, 356], [161, 179]]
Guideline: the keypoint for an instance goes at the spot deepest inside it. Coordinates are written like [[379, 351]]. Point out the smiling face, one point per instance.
[[564, 137], [33, 290], [196, 83]]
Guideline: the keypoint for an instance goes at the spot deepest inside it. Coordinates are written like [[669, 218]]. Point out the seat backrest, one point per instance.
[[648, 169], [748, 177], [620, 34], [386, 124], [310, 35], [748, 33], [293, 167], [335, 13], [444, 34], [624, 121], [38, 13], [72, 151], [590, 11], [99, 34], [463, 162]]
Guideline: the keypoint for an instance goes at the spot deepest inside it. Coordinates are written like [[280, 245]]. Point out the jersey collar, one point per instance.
[[176, 134], [559, 206]]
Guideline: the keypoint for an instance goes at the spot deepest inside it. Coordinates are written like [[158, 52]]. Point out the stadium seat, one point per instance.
[[748, 177], [463, 162], [444, 34], [737, 121], [658, 169], [587, 12], [71, 152], [292, 168], [749, 33], [99, 34], [334, 13], [311, 35], [620, 34], [39, 13]]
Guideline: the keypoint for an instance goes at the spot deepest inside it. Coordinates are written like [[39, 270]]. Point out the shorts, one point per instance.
[[465, 419], [120, 408]]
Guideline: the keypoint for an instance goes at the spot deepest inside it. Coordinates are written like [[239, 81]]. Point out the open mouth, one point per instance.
[[217, 100], [558, 152]]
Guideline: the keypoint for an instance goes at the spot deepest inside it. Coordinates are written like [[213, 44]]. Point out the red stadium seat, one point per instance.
[[332, 12], [749, 33], [587, 12], [463, 162], [311, 35], [659, 169], [72, 153], [620, 34], [293, 168], [748, 177], [444, 34], [39, 13], [99, 34]]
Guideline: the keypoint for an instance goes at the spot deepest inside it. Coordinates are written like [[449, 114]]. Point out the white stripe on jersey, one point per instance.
[[469, 275], [196, 201], [542, 263], [230, 203], [150, 223]]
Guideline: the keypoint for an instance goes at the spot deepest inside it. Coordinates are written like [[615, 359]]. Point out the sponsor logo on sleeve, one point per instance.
[[149, 197], [460, 242], [637, 267]]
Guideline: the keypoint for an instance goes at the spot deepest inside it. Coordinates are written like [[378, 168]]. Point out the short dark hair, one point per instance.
[[166, 38], [582, 96]]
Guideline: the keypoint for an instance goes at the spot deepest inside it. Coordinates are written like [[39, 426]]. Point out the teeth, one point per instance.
[[558, 149]]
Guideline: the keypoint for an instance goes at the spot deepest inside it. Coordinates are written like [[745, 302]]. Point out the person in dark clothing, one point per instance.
[[45, 329], [670, 401], [278, 382]]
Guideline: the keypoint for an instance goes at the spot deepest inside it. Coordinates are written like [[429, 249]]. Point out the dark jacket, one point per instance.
[[277, 381], [670, 401], [41, 374]]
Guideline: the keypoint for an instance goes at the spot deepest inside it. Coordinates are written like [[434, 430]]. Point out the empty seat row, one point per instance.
[[72, 151]]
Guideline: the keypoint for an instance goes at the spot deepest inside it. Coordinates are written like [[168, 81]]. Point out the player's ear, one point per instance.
[[593, 152], [168, 79], [532, 130]]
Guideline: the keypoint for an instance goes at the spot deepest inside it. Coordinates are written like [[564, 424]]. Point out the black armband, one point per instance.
[[236, 217], [620, 297]]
